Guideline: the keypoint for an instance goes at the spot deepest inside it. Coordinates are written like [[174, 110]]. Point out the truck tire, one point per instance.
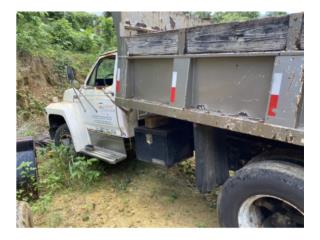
[[63, 136], [263, 194]]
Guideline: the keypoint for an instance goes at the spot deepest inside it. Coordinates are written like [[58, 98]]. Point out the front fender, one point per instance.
[[71, 114]]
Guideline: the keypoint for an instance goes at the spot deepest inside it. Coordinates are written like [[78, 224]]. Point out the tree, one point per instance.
[[107, 14], [222, 17], [275, 14], [62, 33], [31, 32], [81, 20], [107, 33], [203, 15]]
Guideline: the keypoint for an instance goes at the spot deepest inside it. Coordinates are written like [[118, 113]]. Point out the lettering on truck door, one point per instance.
[[99, 91]]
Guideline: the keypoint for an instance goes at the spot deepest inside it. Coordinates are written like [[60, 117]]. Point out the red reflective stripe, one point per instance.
[[118, 86], [273, 104], [172, 94]]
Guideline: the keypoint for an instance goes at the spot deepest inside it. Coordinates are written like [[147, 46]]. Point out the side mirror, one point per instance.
[[70, 74]]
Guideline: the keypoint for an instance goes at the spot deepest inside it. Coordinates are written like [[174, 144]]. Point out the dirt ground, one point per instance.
[[36, 126], [133, 194]]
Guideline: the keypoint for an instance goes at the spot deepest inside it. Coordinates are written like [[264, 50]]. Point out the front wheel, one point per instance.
[[63, 136], [263, 194]]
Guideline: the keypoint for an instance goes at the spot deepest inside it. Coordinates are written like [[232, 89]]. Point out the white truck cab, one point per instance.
[[88, 118]]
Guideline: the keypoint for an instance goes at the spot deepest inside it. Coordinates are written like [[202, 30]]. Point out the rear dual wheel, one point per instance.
[[263, 194]]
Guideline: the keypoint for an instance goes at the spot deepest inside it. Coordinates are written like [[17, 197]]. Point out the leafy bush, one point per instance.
[[68, 38], [27, 189], [222, 17], [83, 40], [108, 35], [61, 33], [42, 204], [81, 171], [32, 33], [61, 169], [41, 32]]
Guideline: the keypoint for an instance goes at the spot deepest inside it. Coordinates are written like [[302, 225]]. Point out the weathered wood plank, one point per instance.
[[148, 44], [302, 36], [182, 41], [294, 33], [268, 34]]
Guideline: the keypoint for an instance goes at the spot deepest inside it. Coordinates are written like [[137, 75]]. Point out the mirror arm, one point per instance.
[[88, 101], [77, 97], [72, 79]]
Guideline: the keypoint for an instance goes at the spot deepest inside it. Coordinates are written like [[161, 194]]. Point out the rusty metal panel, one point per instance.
[[288, 75], [151, 79], [233, 86]]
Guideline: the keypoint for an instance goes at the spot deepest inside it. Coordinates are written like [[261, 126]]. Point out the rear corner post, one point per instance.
[[295, 32], [211, 157]]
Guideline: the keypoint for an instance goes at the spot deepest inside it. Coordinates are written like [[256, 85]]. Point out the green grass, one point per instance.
[[120, 183], [201, 225], [55, 220]]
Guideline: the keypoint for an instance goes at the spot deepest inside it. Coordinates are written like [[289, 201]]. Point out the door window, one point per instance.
[[102, 76]]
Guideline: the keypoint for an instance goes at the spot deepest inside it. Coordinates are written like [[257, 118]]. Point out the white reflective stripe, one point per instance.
[[276, 83], [174, 79], [118, 75]]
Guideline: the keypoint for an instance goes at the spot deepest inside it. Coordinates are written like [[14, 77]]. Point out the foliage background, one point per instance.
[[74, 38]]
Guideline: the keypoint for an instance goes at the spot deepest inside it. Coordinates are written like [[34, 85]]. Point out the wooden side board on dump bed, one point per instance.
[[267, 34]]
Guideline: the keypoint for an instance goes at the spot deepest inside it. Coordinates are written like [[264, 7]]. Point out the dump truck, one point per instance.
[[229, 94]]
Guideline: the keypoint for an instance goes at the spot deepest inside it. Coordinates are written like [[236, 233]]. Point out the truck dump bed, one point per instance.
[[244, 76]]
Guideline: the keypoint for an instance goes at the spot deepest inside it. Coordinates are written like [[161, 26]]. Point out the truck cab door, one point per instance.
[[100, 112]]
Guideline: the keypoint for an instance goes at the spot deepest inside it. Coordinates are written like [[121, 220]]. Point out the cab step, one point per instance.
[[106, 155]]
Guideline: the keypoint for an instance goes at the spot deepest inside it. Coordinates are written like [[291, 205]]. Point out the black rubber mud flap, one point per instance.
[[211, 157]]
